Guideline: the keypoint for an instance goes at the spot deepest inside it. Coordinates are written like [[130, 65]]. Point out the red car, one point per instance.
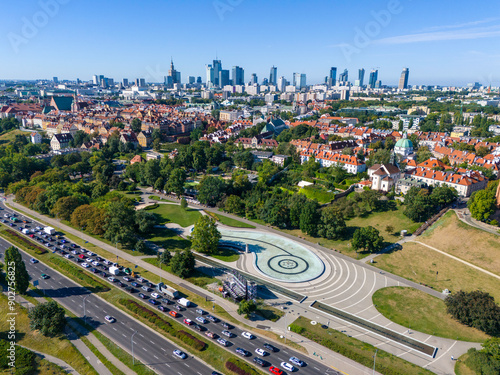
[[188, 322], [275, 370], [173, 313]]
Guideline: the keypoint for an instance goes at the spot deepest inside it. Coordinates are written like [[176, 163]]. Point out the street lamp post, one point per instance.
[[132, 341], [374, 358]]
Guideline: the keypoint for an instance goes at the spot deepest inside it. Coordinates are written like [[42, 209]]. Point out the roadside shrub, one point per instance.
[[296, 328], [238, 367], [191, 340]]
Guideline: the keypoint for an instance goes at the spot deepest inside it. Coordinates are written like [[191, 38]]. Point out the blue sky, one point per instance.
[[441, 42]]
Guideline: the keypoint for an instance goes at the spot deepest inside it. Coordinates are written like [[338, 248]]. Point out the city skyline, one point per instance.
[[50, 38]]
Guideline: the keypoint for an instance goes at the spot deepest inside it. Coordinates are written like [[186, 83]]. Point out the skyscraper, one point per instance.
[[254, 79], [281, 84], [403, 80], [223, 77], [217, 68], [125, 82], [210, 76], [344, 76], [273, 76], [332, 78], [373, 78], [173, 75], [191, 80], [299, 80], [361, 76], [238, 76]]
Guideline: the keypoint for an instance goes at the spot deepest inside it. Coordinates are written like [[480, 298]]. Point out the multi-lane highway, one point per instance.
[[149, 347]]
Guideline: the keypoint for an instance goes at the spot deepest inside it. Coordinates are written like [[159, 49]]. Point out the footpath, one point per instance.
[[327, 357]]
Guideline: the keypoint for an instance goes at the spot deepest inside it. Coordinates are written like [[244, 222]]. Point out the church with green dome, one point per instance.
[[403, 147]]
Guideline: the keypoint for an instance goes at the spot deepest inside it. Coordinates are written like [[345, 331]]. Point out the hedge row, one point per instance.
[[86, 280], [162, 324], [238, 367], [152, 207], [29, 244]]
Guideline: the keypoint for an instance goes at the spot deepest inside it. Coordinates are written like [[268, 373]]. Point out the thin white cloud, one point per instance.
[[460, 25], [467, 34]]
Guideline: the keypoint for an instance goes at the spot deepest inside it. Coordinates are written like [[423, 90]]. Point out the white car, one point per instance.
[[68, 256], [155, 295], [90, 260], [90, 254], [180, 354], [74, 252], [95, 263], [109, 319], [297, 362], [112, 279], [85, 265], [287, 366], [33, 260], [201, 319], [261, 352], [247, 335], [106, 262]]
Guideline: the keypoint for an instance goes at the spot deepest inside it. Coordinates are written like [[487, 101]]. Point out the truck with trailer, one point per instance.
[[167, 290], [114, 270], [49, 230]]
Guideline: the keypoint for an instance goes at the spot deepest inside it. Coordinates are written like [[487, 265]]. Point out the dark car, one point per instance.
[[163, 308], [270, 347], [198, 327], [167, 301], [154, 302], [243, 352], [143, 296], [260, 361], [122, 285], [213, 318], [95, 270], [104, 274], [135, 284]]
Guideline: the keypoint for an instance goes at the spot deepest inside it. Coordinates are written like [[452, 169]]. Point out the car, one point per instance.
[[167, 301], [261, 352], [179, 308], [83, 251], [222, 341], [297, 361], [155, 295], [227, 333], [96, 263], [64, 241], [173, 313], [141, 279], [216, 373], [153, 302], [106, 262], [89, 253], [48, 244], [89, 260], [162, 308], [85, 265], [112, 279], [126, 278], [198, 327], [270, 347], [94, 270], [180, 354], [135, 284], [227, 325], [188, 321], [109, 319], [212, 335], [247, 335], [130, 289], [243, 352], [74, 252], [33, 260], [146, 289], [44, 276], [104, 274], [122, 285], [74, 246], [201, 319], [151, 285], [99, 259], [287, 366], [67, 255], [260, 361], [142, 295], [213, 318], [275, 370], [201, 311]]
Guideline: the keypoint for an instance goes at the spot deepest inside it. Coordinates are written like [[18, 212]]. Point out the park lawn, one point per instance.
[[231, 222], [419, 264], [378, 220], [461, 368], [422, 312], [226, 255], [59, 347], [357, 350], [473, 245], [318, 193], [172, 213], [168, 239]]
